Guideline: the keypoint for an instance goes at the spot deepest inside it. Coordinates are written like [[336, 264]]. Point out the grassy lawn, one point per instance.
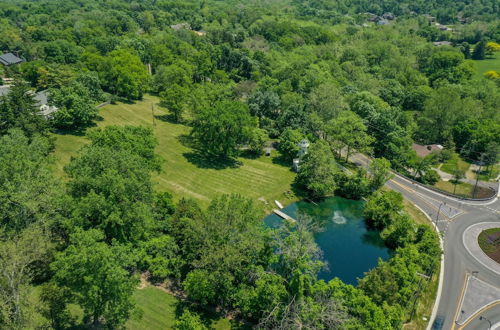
[[485, 245], [183, 172], [160, 310], [490, 174], [462, 189], [454, 162], [488, 64]]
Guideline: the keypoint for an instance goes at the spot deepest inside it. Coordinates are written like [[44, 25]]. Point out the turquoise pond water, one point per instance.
[[349, 248]]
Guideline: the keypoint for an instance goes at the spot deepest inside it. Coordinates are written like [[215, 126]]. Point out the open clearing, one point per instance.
[[490, 63], [160, 309], [184, 174]]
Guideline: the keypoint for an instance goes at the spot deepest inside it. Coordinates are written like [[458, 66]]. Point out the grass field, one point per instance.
[[489, 242], [160, 309], [462, 189], [454, 162], [183, 172], [488, 64]]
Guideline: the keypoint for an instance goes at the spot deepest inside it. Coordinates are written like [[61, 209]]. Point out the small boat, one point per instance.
[[278, 204]]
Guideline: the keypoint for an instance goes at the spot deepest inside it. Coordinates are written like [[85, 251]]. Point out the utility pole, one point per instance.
[[153, 114], [477, 176]]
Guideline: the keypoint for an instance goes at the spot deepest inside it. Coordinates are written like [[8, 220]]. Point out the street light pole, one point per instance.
[[484, 318]]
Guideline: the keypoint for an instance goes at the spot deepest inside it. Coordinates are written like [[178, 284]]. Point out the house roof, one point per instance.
[[41, 97], [4, 90], [424, 150], [9, 59], [442, 43]]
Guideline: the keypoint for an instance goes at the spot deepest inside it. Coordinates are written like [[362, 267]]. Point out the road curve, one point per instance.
[[458, 262]]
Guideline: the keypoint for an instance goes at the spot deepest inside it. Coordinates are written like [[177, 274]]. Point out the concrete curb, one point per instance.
[[479, 254], [441, 272], [455, 199]]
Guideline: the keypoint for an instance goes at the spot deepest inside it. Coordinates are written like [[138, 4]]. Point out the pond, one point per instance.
[[349, 248]]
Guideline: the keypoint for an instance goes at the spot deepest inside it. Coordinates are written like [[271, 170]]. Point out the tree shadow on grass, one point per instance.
[[186, 140], [283, 161], [168, 118], [77, 131], [203, 161], [249, 154], [300, 192]]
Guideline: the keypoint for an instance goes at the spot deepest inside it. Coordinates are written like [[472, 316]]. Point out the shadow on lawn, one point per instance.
[[169, 118], [203, 161], [80, 131]]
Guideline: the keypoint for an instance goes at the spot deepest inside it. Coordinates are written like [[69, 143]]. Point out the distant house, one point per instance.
[[41, 98], [8, 59], [186, 26], [42, 101], [442, 43], [181, 26], [389, 16], [424, 150], [443, 27], [4, 90]]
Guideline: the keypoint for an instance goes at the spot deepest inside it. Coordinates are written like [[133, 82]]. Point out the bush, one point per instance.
[[430, 177]]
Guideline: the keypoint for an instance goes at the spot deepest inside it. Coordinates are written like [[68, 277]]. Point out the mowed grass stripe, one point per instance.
[[254, 178]]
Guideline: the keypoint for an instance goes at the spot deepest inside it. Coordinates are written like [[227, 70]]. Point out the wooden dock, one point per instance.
[[283, 215]]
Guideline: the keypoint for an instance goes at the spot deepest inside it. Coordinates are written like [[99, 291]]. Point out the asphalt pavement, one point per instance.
[[453, 216]]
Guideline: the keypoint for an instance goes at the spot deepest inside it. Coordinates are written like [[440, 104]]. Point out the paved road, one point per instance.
[[458, 261]]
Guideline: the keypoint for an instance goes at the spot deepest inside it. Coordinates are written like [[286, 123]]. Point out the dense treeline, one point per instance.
[[239, 73], [292, 73], [87, 240]]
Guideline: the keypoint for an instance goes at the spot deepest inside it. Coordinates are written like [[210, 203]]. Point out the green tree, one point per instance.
[[458, 174], [257, 141], [138, 140], [289, 143], [29, 192], [75, 106], [327, 101], [18, 110], [111, 185], [126, 75], [348, 128], [379, 172], [180, 73], [317, 170], [266, 291], [219, 130], [225, 256], [298, 255], [175, 99], [55, 305], [264, 104], [479, 51], [354, 186], [18, 254], [161, 257], [189, 321], [381, 208], [95, 274], [401, 232]]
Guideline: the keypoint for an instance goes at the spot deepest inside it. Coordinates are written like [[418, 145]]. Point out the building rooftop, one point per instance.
[[424, 150], [9, 59]]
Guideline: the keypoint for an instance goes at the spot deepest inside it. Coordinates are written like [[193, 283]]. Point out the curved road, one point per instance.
[[453, 217]]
